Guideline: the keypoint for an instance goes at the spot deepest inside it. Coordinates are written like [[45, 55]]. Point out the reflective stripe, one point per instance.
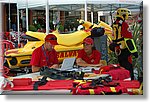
[[113, 89], [133, 44], [80, 81], [91, 91]]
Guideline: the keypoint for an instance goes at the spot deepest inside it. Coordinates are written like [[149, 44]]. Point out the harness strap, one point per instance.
[[47, 57], [43, 81], [61, 75], [118, 40]]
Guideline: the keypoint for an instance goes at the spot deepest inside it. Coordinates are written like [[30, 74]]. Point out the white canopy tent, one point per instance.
[[38, 3], [80, 5], [8, 1], [22, 4]]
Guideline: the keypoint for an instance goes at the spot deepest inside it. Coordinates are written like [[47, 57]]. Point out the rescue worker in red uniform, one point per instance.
[[123, 44], [88, 56], [45, 55]]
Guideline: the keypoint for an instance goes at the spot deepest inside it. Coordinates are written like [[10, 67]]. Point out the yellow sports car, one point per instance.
[[68, 45]]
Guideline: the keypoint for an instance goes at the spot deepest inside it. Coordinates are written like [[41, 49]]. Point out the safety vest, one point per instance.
[[117, 34]]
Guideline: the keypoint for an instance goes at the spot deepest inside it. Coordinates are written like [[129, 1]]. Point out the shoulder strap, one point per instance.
[[43, 81], [47, 57]]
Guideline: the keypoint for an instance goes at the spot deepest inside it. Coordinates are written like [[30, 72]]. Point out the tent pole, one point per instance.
[[27, 20], [92, 14], [92, 17], [47, 16], [18, 24], [85, 10]]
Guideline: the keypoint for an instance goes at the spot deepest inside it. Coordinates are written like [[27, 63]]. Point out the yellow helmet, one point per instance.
[[123, 13]]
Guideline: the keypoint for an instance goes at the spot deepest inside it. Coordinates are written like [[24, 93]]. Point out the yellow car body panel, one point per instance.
[[38, 35], [71, 39], [19, 60], [88, 25]]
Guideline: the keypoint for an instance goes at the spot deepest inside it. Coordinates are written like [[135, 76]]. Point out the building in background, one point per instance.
[[59, 17]]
